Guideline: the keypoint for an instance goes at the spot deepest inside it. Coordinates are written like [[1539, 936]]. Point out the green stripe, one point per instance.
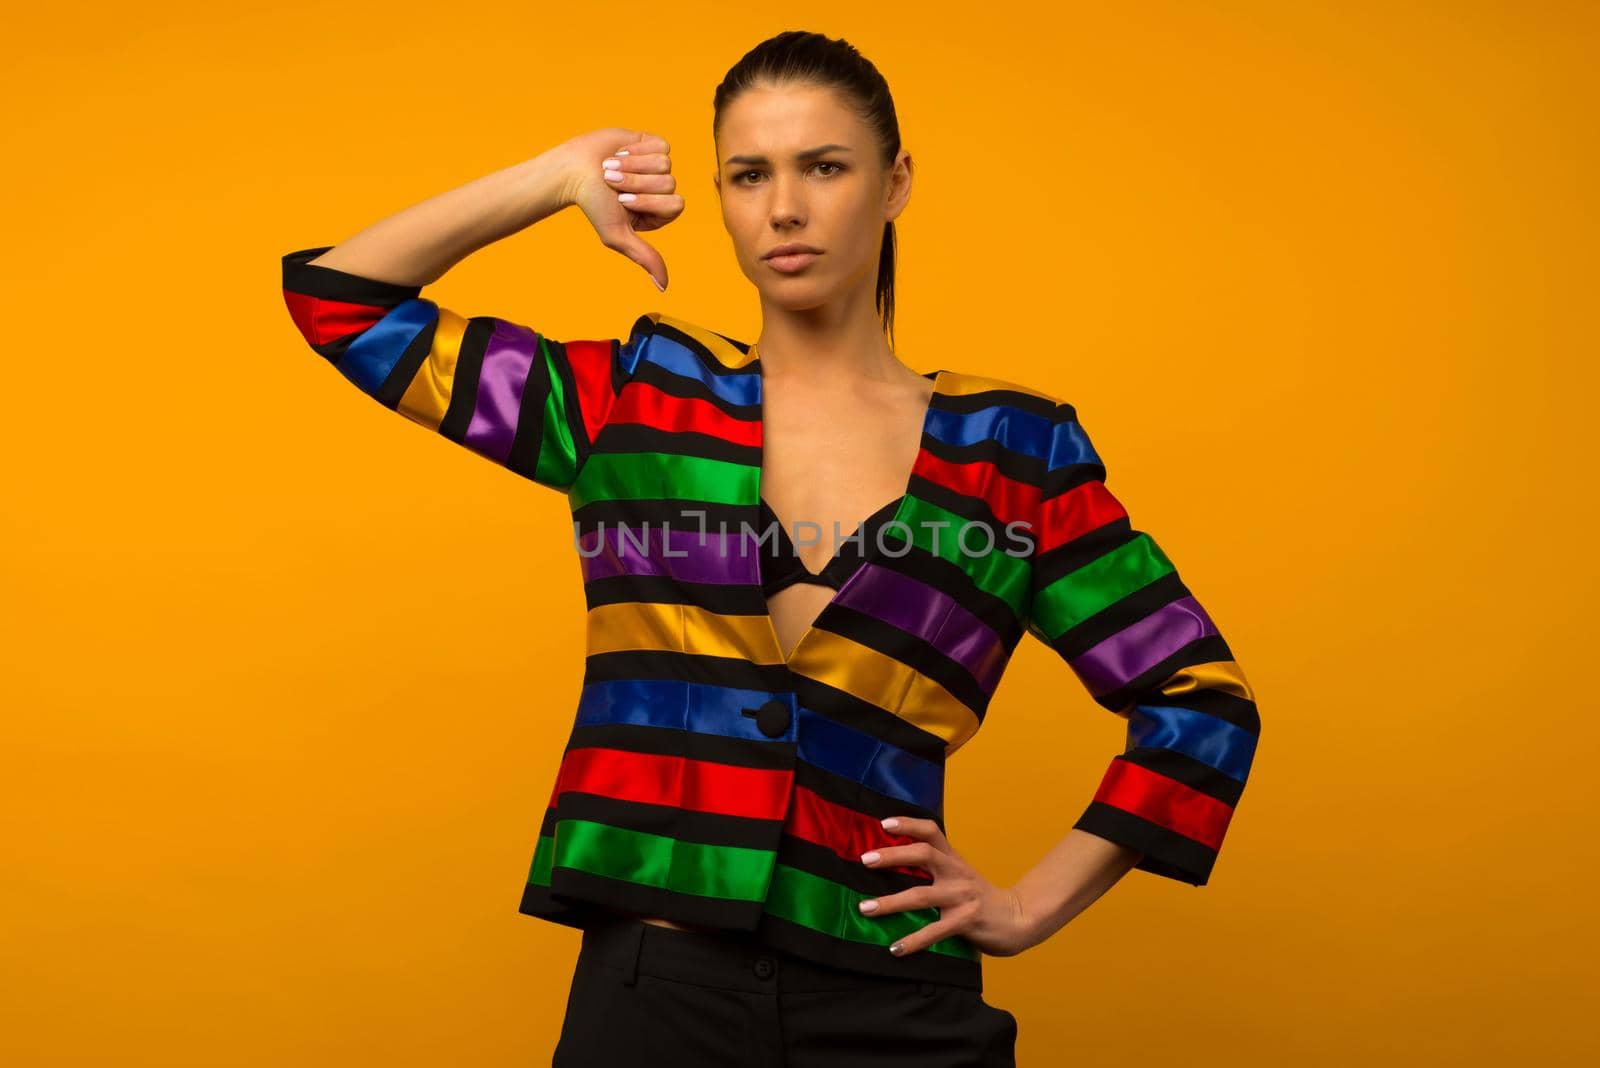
[[824, 905], [632, 475], [993, 569], [1097, 585], [558, 453], [653, 860]]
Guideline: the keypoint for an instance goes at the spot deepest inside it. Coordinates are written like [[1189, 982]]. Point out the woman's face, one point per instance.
[[795, 165]]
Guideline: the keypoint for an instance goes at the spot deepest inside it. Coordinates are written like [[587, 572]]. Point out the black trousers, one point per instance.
[[659, 997]]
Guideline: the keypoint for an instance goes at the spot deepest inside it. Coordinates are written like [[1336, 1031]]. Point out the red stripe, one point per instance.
[[644, 403], [679, 782], [591, 370], [1164, 802], [844, 831], [321, 321], [1081, 509], [1010, 501]]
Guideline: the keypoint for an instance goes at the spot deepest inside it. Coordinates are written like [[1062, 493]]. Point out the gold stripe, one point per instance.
[[720, 348], [428, 395], [677, 628], [958, 384], [866, 674], [1223, 675]]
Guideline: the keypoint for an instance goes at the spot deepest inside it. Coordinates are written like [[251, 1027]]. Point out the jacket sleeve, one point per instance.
[[1111, 604], [505, 391]]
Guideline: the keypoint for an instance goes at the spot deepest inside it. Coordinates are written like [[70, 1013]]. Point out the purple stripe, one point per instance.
[[1136, 649], [657, 550], [930, 614], [506, 363]]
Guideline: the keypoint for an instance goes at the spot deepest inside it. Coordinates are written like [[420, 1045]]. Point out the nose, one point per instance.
[[787, 208]]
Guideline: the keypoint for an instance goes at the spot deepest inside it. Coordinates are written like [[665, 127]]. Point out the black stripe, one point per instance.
[[672, 741], [464, 382], [818, 860], [529, 438], [1119, 615], [636, 437], [729, 913], [954, 582], [853, 795], [677, 385], [405, 368], [1069, 556], [571, 406], [909, 650], [633, 665], [1145, 686], [869, 718], [1167, 853], [723, 599], [1239, 711], [966, 403], [873, 959], [330, 283], [1183, 768], [684, 824], [1017, 466]]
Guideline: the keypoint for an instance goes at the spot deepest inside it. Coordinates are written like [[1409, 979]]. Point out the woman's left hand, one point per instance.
[[990, 917]]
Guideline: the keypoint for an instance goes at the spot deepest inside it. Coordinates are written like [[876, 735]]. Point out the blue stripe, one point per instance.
[[1016, 430], [874, 763], [1070, 445], [1212, 741], [706, 709], [671, 355], [372, 356]]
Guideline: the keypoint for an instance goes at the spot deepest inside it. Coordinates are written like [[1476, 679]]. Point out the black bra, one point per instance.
[[780, 560]]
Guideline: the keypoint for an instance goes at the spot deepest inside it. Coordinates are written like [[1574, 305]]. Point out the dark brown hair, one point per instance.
[[796, 56]]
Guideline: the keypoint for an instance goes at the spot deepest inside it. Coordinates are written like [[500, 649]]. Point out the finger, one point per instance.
[[916, 827], [648, 163], [663, 207], [918, 897], [624, 182], [915, 855], [646, 142], [925, 936], [631, 245]]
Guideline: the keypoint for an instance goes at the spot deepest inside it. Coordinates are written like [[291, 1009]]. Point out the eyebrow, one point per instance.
[[809, 153]]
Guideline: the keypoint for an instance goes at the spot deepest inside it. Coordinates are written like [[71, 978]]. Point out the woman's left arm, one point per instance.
[[1111, 604]]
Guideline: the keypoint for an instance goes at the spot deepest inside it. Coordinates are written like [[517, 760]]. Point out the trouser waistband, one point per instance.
[[728, 959]]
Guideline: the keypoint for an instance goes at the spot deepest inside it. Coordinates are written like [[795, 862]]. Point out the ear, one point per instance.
[[899, 191]]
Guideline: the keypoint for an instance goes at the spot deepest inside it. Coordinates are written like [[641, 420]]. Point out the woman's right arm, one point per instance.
[[509, 393]]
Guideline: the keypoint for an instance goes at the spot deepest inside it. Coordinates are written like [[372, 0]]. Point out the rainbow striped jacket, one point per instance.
[[712, 780]]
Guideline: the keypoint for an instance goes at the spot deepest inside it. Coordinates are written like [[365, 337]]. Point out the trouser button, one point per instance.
[[765, 966]]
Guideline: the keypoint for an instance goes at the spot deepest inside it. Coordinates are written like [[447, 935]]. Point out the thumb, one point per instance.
[[631, 245]]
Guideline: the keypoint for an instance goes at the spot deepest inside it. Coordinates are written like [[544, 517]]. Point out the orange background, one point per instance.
[[287, 678]]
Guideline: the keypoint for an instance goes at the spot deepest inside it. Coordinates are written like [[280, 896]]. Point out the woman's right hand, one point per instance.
[[646, 172]]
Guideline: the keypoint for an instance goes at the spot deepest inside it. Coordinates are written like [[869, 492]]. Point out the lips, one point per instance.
[[789, 259], [789, 248]]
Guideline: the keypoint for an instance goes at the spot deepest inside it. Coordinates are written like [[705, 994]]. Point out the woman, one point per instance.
[[748, 821]]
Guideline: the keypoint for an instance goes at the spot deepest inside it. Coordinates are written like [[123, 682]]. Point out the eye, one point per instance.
[[739, 178]]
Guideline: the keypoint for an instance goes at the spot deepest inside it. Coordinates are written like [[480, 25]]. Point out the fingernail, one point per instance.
[[897, 948], [613, 176], [627, 198], [620, 152], [869, 906], [659, 286], [870, 858], [890, 824], [612, 164]]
